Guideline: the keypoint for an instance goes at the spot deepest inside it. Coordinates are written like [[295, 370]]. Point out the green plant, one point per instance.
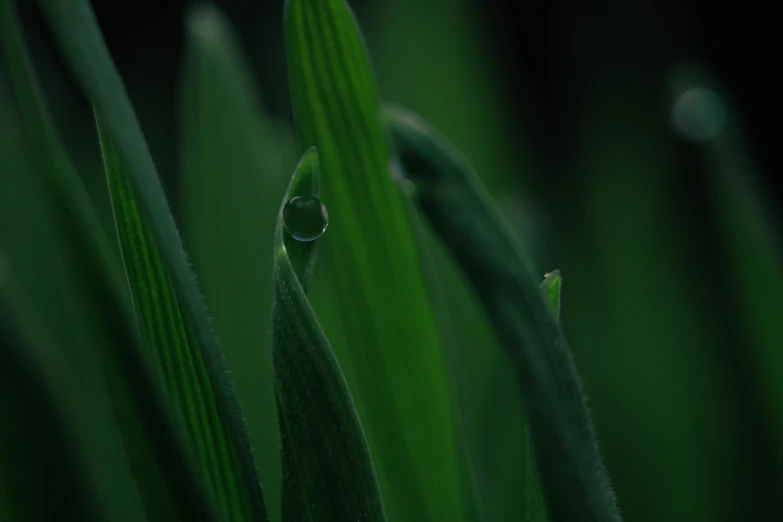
[[166, 410]]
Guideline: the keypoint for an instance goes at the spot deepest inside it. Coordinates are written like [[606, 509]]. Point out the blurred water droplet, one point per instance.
[[305, 218], [699, 114]]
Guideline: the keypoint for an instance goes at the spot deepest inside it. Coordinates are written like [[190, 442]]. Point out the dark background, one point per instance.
[[547, 51]]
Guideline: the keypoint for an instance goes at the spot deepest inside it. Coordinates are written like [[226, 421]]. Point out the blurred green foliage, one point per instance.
[[675, 240]]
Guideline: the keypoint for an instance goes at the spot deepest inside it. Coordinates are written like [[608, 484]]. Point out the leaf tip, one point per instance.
[[306, 180], [551, 287], [205, 22]]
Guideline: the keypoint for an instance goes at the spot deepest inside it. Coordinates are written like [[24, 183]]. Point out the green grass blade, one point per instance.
[[378, 313], [552, 286], [458, 59], [68, 192], [173, 344], [638, 289], [79, 39], [327, 469], [535, 504], [752, 246], [66, 436], [436, 269], [44, 469], [236, 161], [750, 241], [160, 458], [166, 486], [573, 476], [130, 427]]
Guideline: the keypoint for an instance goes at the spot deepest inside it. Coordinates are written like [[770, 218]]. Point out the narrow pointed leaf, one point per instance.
[[133, 438], [535, 504], [327, 469], [78, 36], [66, 190], [173, 344], [167, 485], [750, 240], [752, 246], [41, 451], [377, 310], [439, 64], [551, 286], [236, 161], [647, 318], [573, 476]]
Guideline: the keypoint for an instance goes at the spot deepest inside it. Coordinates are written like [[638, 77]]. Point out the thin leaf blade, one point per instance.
[[131, 427], [328, 473], [236, 160], [80, 42], [552, 286], [42, 429], [388, 339], [173, 343], [535, 504], [573, 476]]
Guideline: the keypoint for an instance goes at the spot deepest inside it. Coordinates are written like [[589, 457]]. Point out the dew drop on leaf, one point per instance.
[[305, 218]]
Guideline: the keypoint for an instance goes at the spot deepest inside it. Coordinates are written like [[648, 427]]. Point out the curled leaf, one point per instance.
[[328, 473]]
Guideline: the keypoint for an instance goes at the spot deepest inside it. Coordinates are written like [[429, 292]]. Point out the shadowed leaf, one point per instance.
[[80, 42], [132, 430], [41, 436], [327, 470], [236, 161], [172, 343], [573, 475], [551, 286], [376, 311]]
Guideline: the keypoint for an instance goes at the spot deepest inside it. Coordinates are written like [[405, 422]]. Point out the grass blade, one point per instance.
[[172, 343], [379, 315], [552, 286], [131, 428], [647, 319], [423, 49], [236, 161], [573, 475], [40, 444], [80, 42], [327, 469], [749, 241], [68, 193], [61, 450], [535, 503]]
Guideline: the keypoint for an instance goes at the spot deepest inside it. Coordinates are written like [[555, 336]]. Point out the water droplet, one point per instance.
[[305, 218], [699, 114]]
